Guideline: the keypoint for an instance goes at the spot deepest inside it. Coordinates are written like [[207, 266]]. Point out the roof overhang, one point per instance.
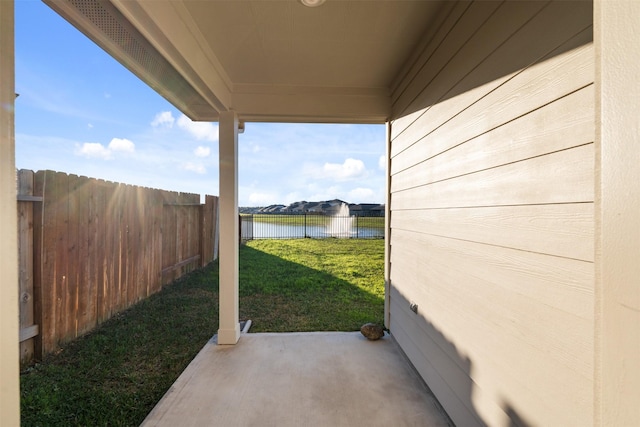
[[271, 61]]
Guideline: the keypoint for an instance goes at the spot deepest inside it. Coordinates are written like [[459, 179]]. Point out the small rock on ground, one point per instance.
[[372, 331]]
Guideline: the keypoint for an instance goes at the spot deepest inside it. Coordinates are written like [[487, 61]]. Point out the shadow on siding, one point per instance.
[[446, 371]]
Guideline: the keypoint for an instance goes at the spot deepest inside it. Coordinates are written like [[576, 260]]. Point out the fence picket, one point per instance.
[[100, 238], [79, 260], [25, 258], [132, 254], [156, 241], [88, 251], [38, 226], [111, 254]]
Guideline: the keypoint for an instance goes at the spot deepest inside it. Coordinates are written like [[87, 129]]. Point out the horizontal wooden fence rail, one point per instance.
[[91, 248]]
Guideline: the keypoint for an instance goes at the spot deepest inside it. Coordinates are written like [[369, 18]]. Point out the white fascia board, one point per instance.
[[291, 104], [161, 76], [169, 27]]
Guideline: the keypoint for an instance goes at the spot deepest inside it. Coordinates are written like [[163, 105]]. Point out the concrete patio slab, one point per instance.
[[299, 379]]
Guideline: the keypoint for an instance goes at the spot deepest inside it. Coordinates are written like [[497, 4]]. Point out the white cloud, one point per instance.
[[291, 197], [97, 150], [263, 199], [199, 130], [382, 162], [333, 192], [89, 125], [202, 151], [122, 144], [195, 167], [350, 169], [362, 195], [164, 118], [94, 150]]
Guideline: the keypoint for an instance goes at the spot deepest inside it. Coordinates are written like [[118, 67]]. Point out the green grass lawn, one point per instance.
[[116, 374], [312, 284]]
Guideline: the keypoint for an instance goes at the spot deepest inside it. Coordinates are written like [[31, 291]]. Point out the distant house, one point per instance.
[[297, 207], [330, 207], [366, 209], [377, 210], [272, 209]]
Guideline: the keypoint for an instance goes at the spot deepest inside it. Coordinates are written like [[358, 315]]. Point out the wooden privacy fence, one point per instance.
[[90, 248]]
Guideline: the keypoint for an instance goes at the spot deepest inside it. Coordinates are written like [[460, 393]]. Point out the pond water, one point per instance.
[[264, 230]]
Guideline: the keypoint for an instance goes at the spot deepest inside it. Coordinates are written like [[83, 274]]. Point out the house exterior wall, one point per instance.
[[617, 336], [492, 212]]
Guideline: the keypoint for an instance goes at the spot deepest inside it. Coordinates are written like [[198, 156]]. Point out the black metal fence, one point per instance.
[[314, 226]]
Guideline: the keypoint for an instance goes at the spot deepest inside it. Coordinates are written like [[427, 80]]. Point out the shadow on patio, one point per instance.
[[298, 379]]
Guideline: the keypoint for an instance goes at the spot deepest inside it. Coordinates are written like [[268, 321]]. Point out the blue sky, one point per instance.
[[81, 112]]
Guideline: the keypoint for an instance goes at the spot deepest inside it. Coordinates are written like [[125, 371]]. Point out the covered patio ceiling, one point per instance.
[[272, 61]]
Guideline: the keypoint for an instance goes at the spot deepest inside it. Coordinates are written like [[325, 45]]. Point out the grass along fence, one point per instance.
[[89, 249]]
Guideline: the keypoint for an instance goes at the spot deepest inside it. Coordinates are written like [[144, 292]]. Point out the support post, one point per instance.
[[229, 331], [387, 233], [9, 313]]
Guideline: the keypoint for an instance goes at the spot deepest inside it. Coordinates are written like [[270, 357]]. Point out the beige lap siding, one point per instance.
[[492, 178]]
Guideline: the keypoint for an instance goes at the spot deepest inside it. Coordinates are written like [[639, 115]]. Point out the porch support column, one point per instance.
[[229, 331], [9, 314], [387, 233]]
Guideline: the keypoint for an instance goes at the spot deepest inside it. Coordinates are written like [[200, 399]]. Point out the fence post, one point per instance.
[[28, 327]]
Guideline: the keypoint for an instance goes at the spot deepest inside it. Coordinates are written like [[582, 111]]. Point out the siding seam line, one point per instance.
[[493, 167], [494, 245], [488, 130]]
